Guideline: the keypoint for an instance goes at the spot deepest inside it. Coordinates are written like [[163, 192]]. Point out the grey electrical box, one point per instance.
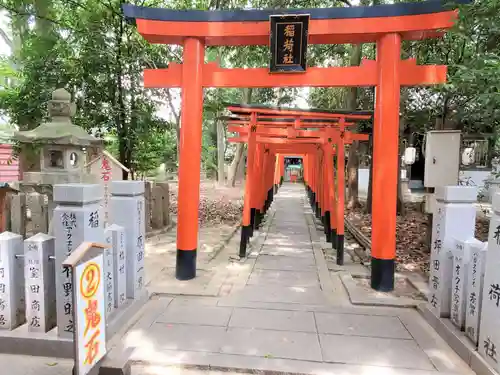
[[442, 158]]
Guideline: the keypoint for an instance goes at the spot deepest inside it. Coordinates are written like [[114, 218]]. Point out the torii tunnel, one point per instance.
[[274, 133], [386, 25]]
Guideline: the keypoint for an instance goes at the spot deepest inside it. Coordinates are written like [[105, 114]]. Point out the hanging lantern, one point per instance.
[[410, 155]]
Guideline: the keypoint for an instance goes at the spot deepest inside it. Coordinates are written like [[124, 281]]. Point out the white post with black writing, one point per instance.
[[489, 325], [127, 210], [108, 272], [39, 275], [475, 279], [116, 237], [12, 308], [454, 218], [77, 219], [461, 259]]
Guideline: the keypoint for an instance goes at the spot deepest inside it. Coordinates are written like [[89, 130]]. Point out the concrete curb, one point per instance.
[[457, 341], [359, 296]]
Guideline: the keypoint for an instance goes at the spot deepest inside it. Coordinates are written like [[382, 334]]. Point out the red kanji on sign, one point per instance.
[[106, 169]]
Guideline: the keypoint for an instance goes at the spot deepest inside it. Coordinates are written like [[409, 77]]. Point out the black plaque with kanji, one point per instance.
[[289, 43]]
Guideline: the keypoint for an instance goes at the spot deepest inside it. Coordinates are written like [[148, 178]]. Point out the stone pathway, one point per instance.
[[281, 310]]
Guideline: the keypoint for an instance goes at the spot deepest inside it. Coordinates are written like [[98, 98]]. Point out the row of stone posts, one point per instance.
[[464, 279], [34, 287]]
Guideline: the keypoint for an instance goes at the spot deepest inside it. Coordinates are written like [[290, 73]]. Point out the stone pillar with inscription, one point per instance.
[[77, 219], [475, 278], [115, 237], [108, 272], [489, 326], [39, 275], [127, 210], [12, 307], [454, 219], [461, 258]]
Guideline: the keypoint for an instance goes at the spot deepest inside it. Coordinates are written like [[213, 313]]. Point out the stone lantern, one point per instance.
[[63, 145], [64, 149]]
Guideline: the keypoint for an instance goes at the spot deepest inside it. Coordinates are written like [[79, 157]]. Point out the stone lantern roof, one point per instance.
[[60, 130]]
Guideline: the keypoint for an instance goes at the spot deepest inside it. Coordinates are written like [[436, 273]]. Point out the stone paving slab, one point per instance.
[[294, 321], [183, 337], [361, 325], [288, 251], [374, 351], [30, 365], [282, 294], [203, 315], [278, 344], [268, 262], [171, 362], [262, 277]]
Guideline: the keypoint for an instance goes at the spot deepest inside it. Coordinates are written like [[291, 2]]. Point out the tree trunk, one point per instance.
[[247, 98], [220, 152]]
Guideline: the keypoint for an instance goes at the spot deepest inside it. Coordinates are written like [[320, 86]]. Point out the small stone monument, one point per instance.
[[64, 149], [105, 168]]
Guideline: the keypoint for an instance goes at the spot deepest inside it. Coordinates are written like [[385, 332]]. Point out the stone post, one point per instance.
[[127, 210], [454, 218], [475, 278], [18, 209], [489, 326], [12, 308], [39, 275], [116, 235], [165, 202], [39, 213], [77, 218], [461, 258], [157, 212], [109, 271]]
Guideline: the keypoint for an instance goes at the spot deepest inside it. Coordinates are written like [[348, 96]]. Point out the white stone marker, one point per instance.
[[77, 219], [108, 273], [127, 210], [116, 235], [475, 278], [12, 307], [461, 260], [454, 218], [39, 275], [489, 326]]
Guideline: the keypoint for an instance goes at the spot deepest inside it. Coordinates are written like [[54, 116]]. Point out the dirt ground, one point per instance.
[[218, 204], [412, 251]]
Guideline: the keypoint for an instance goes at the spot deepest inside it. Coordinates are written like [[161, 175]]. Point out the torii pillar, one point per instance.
[[385, 163]]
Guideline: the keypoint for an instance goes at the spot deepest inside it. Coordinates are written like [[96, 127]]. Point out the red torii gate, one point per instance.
[[385, 25], [310, 132]]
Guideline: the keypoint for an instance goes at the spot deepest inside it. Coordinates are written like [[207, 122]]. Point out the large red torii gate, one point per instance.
[[385, 25]]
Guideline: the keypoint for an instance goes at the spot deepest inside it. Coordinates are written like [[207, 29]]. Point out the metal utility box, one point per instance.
[[442, 158]]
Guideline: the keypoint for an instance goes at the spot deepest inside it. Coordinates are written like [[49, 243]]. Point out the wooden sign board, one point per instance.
[[289, 43], [87, 267]]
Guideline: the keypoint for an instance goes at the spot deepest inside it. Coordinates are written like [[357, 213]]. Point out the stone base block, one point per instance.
[[20, 341]]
